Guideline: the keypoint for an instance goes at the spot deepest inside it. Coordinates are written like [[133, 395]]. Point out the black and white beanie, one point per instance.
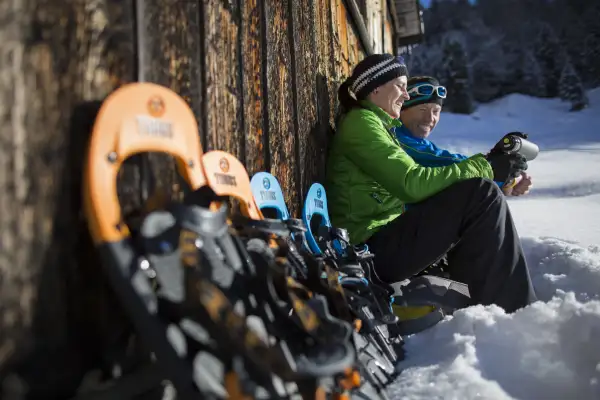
[[374, 71]]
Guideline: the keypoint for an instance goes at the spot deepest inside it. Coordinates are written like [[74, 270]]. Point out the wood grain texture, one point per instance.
[[59, 58], [280, 106], [223, 88], [304, 43], [252, 87]]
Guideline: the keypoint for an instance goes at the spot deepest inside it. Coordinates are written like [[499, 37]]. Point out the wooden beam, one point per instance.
[[392, 11], [359, 24]]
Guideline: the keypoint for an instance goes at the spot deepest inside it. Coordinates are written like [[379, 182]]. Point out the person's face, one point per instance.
[[390, 96], [421, 119]]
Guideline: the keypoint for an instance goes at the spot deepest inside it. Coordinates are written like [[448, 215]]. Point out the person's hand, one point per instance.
[[523, 186], [520, 134], [506, 166], [507, 188]]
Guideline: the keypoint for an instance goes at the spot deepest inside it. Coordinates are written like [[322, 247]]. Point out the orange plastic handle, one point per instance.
[[136, 118], [227, 177]]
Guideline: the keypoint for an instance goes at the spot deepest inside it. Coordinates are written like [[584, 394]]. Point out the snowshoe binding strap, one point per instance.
[[266, 226], [373, 365], [413, 315], [231, 179], [369, 301], [414, 319], [308, 268], [296, 225], [185, 291], [367, 306], [433, 290], [207, 304], [356, 270], [320, 325], [286, 253]]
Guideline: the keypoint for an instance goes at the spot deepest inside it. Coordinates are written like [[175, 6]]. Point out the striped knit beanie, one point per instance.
[[374, 71]]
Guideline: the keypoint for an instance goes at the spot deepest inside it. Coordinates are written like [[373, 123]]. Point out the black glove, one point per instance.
[[521, 134], [506, 166]]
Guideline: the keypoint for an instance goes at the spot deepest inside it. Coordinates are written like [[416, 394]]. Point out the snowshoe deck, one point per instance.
[[175, 274], [138, 118]]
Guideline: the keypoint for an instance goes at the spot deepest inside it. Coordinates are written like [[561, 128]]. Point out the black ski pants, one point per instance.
[[470, 222]]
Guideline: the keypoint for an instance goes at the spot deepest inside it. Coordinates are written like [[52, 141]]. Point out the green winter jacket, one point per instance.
[[370, 177]]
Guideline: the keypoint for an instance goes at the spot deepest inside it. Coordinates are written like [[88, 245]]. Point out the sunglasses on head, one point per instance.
[[427, 89]]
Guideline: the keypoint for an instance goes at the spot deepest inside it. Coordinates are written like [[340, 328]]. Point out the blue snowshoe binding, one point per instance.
[[322, 276]]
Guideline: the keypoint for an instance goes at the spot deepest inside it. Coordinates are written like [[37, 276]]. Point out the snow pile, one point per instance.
[[558, 266], [551, 349], [545, 351]]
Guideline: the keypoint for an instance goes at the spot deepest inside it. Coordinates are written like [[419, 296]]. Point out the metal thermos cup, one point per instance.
[[512, 144]]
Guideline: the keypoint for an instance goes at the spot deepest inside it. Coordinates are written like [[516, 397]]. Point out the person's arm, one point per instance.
[[426, 153], [366, 143]]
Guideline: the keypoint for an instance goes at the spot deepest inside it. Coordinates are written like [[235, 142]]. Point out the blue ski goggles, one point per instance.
[[427, 89]]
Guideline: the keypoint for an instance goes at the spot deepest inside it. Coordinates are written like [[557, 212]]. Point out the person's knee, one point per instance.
[[485, 187], [481, 184], [491, 187]]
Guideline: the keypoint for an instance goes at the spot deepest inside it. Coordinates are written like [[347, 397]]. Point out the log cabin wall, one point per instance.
[[262, 75]]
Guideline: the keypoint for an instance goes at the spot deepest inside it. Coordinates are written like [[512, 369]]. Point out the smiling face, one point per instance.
[[421, 119], [390, 96]]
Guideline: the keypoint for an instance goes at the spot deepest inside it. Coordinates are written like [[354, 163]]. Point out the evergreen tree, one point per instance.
[[426, 60], [457, 77], [532, 77], [416, 63], [550, 56], [486, 82], [591, 44], [591, 59], [435, 21], [571, 89], [514, 45]]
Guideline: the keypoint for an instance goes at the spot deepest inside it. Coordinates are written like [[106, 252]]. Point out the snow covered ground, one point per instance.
[[551, 349]]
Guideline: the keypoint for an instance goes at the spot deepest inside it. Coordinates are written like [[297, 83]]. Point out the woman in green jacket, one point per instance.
[[459, 209]]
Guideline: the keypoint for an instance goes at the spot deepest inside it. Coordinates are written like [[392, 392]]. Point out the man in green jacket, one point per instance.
[[460, 210]]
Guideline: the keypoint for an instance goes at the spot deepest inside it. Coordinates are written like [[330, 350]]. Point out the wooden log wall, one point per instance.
[[58, 59], [261, 77]]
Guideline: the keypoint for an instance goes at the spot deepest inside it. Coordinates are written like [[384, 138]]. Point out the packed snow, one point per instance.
[[550, 349]]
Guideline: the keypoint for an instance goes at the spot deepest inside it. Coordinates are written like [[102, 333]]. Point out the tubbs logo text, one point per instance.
[[268, 195], [225, 179], [149, 126]]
